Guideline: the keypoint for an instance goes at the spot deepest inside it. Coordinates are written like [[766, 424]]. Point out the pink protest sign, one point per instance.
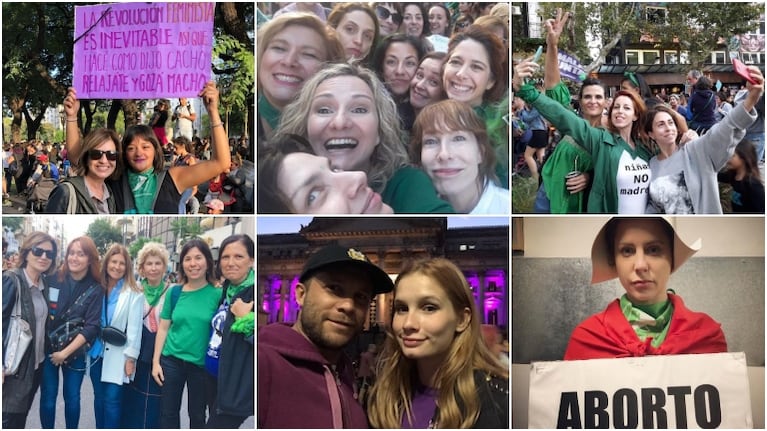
[[142, 50]]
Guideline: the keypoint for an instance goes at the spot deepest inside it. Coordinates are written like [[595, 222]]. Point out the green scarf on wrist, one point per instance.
[[648, 320], [152, 293]]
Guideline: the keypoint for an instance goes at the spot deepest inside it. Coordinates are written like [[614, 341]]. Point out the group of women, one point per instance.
[[142, 341], [357, 109], [643, 159]]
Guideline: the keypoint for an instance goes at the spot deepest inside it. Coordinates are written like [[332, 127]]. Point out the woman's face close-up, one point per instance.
[[623, 113], [390, 24], [643, 255], [291, 57], [153, 269], [140, 153], [235, 262], [312, 186], [194, 264], [593, 101], [426, 85], [356, 31], [425, 323], [40, 263], [451, 159], [343, 123], [664, 129], [437, 20], [412, 24], [467, 73], [400, 64], [116, 267], [102, 167], [77, 260]]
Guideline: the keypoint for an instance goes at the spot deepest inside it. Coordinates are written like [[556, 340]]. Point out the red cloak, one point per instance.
[[609, 335]]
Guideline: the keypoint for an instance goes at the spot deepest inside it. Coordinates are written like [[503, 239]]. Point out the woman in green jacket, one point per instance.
[[621, 169]]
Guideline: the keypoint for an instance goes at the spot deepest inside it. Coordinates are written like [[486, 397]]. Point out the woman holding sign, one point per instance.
[[146, 187], [648, 320]]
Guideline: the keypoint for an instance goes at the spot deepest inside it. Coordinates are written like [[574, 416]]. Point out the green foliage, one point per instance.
[[523, 190], [13, 222], [233, 56], [185, 228], [104, 234], [137, 245]]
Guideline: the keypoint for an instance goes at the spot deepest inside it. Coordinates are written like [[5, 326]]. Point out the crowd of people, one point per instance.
[[387, 107], [140, 338], [144, 171], [436, 367], [637, 152]]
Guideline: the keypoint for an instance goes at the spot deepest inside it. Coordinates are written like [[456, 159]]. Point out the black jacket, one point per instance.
[[493, 401], [235, 367], [69, 291], [18, 395], [58, 201]]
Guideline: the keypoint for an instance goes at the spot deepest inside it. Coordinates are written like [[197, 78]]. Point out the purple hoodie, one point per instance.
[[298, 388]]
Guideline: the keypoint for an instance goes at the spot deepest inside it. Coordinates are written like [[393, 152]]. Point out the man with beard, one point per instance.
[[304, 378]]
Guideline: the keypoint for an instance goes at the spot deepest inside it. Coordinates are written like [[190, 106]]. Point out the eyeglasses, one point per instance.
[[384, 13], [37, 251], [96, 155]]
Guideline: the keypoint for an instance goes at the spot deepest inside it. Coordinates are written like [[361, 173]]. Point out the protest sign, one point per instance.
[[570, 68], [142, 50], [671, 391]]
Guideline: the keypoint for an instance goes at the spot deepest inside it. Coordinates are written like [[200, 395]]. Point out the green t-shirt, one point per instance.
[[410, 191], [190, 326]]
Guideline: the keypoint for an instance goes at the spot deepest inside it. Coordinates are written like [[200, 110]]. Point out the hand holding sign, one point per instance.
[[71, 103]]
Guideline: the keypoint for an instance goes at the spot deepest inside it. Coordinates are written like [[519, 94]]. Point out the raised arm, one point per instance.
[[71, 108], [220, 159], [554, 27]]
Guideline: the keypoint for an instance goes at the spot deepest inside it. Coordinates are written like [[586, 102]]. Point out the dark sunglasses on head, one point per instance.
[[384, 13], [96, 155], [37, 251]]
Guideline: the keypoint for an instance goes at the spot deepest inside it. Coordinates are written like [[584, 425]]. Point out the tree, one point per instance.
[[103, 234], [135, 246], [698, 27], [185, 228], [14, 223]]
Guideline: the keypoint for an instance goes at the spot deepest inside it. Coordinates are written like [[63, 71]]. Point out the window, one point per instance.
[[718, 57], [635, 56], [655, 15], [670, 58], [752, 58], [632, 57]]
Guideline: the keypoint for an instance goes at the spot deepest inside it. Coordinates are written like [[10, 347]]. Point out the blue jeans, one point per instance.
[[73, 372], [177, 373], [758, 140], [107, 399]]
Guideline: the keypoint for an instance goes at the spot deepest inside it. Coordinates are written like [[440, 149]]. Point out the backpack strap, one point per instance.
[[72, 205], [160, 178], [175, 293]]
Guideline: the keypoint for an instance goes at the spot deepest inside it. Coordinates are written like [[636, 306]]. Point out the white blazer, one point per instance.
[[128, 314]]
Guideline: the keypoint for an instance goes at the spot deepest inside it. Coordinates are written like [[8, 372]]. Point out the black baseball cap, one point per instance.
[[335, 254]]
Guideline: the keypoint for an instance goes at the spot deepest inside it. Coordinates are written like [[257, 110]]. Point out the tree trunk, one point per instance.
[[131, 112], [16, 104], [114, 111]]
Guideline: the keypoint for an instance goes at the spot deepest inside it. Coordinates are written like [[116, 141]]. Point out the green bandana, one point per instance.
[[143, 186], [650, 321], [152, 293], [234, 289], [268, 112]]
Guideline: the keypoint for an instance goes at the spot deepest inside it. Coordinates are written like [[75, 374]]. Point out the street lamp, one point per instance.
[[123, 223]]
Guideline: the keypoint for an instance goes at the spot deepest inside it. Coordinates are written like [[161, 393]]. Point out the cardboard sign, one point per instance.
[[142, 50], [673, 391]]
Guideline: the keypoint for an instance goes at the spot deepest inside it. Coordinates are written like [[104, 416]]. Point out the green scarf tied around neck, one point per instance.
[[268, 112], [245, 324], [152, 293], [143, 186], [235, 289], [648, 320]]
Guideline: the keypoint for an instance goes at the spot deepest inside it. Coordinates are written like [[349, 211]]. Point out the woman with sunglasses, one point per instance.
[[389, 17], [25, 284], [97, 164], [147, 187]]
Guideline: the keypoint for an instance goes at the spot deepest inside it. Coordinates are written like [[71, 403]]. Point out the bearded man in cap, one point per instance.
[[304, 378]]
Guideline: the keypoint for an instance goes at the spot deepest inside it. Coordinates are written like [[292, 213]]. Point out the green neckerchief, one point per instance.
[[268, 112], [234, 289], [648, 320], [143, 186], [152, 293]]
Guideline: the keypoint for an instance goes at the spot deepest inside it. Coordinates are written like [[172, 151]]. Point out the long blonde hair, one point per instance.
[[458, 400]]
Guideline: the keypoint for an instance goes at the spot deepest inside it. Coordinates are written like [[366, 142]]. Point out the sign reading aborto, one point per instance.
[[671, 391], [142, 50]]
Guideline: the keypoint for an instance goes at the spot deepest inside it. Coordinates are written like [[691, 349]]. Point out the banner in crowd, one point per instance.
[[570, 68], [671, 391], [142, 50]]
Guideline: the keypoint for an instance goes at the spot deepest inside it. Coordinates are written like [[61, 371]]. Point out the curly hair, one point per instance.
[[457, 401], [388, 156], [151, 249]]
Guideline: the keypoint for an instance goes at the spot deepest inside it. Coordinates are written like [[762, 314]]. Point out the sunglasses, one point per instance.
[[96, 155], [37, 251], [384, 13]]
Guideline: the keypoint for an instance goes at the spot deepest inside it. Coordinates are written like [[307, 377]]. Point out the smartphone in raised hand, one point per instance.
[[742, 70]]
